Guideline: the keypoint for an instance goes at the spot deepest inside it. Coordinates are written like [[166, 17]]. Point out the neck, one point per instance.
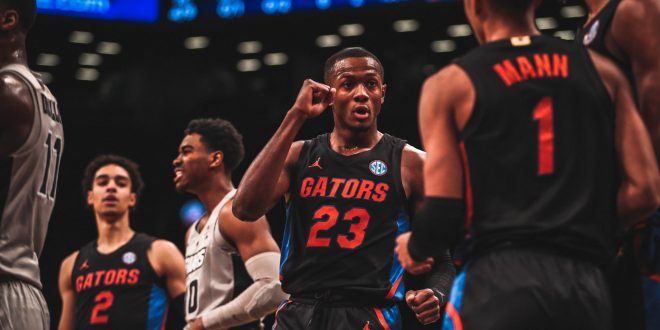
[[13, 52], [113, 233], [594, 7], [350, 142], [503, 28], [214, 192]]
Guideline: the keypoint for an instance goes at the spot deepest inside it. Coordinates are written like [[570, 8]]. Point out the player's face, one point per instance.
[[360, 92], [191, 166], [111, 194]]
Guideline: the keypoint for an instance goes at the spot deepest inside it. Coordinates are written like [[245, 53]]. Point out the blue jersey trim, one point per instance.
[[456, 297], [157, 308], [286, 238], [392, 317], [397, 271]]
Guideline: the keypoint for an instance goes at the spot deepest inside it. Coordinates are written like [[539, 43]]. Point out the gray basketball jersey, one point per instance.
[[209, 267], [28, 182]]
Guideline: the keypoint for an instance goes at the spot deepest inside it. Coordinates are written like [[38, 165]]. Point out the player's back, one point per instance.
[[541, 160], [28, 182]]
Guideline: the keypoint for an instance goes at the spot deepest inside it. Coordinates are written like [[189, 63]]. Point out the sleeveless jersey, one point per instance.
[[593, 35], [28, 181], [343, 216], [539, 148], [209, 267], [119, 290]]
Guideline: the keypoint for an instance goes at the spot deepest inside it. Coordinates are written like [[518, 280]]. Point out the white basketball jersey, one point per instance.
[[209, 267], [28, 182]]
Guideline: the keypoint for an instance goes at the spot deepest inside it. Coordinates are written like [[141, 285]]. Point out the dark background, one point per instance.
[[146, 95]]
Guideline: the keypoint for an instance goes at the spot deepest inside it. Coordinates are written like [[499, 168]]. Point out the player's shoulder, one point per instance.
[[13, 89], [413, 155], [609, 72], [626, 25], [448, 83], [68, 262]]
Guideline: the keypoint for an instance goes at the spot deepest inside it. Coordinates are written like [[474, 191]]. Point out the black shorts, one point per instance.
[[297, 314], [529, 289]]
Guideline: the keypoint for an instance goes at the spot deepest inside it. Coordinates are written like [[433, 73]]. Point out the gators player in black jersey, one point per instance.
[[524, 144], [349, 193], [626, 31], [123, 279]]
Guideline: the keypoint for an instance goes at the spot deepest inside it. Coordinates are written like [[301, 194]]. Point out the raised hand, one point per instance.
[[424, 304], [313, 98]]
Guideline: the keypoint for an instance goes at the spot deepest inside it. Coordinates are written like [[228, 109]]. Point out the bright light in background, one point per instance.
[[248, 65], [108, 48], [566, 35], [275, 59], [46, 59], [405, 25], [196, 42], [330, 40], [443, 46], [351, 30], [191, 211], [89, 59], [249, 47], [546, 23], [87, 74], [461, 30], [572, 11], [81, 37]]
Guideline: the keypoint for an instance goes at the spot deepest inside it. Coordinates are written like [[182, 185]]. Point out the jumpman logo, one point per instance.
[[316, 164], [84, 265]]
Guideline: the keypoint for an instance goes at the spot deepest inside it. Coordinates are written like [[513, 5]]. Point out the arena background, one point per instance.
[[130, 87]]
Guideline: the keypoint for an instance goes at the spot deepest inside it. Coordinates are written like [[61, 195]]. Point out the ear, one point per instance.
[[382, 98], [216, 159], [132, 200], [9, 20], [90, 198]]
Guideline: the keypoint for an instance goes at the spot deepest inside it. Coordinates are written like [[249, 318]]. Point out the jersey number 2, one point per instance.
[[543, 114], [331, 215], [103, 301]]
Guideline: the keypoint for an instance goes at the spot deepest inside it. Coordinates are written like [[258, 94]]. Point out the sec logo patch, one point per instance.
[[129, 258], [378, 167]]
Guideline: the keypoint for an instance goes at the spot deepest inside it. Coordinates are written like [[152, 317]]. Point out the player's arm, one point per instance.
[[261, 257], [267, 178], [427, 302], [67, 318], [639, 193], [167, 261], [16, 113], [445, 98], [635, 29]]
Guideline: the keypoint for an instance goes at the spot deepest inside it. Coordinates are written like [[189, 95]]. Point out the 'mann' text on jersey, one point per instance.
[[524, 67]]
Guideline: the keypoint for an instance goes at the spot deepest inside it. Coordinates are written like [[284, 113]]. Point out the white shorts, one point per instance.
[[22, 307]]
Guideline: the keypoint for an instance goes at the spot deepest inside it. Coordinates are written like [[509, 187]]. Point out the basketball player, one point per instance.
[[31, 145], [626, 31], [538, 137], [209, 151], [123, 279], [349, 194]]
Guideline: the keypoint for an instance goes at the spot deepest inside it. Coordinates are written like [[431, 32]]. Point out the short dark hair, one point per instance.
[[511, 6], [219, 135], [26, 9], [349, 53], [102, 160]]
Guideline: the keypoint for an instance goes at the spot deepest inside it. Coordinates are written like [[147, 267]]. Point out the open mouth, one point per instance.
[[361, 112], [177, 174]]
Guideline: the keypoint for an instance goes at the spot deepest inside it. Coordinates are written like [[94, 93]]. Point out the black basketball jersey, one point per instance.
[[343, 216], [593, 35], [119, 290], [539, 148]]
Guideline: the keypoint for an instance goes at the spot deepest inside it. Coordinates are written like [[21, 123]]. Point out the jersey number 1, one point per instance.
[[56, 148], [543, 114]]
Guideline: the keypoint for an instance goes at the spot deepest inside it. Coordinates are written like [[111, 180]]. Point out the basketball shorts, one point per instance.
[[528, 289], [297, 314], [22, 306]]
